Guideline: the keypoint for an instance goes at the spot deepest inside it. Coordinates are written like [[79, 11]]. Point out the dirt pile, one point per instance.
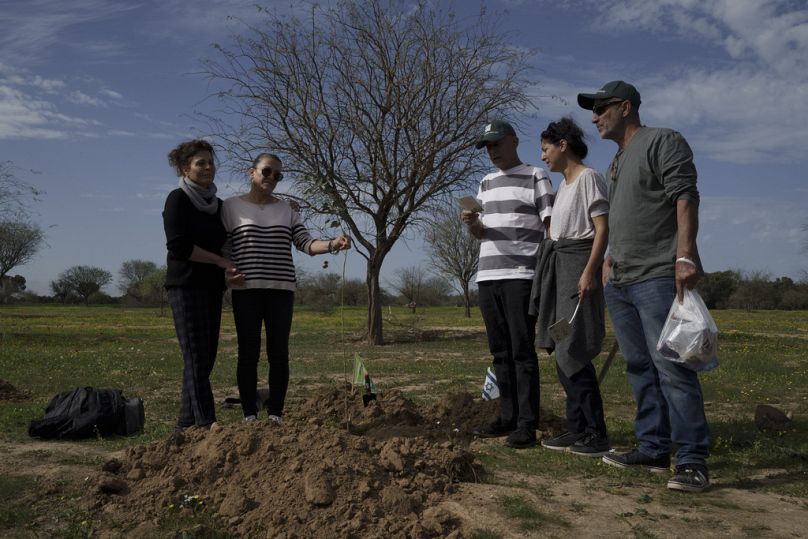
[[10, 393], [383, 476]]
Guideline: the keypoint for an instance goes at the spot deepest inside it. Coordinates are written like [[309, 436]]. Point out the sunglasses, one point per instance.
[[266, 172], [603, 107]]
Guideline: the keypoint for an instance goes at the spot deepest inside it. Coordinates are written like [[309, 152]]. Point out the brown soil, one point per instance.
[[10, 393], [334, 469], [393, 469]]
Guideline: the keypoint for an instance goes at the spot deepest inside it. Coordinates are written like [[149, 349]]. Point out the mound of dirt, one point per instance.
[[334, 469], [10, 393]]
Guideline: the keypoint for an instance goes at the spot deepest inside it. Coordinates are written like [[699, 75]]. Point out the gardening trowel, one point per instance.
[[369, 394], [562, 328]]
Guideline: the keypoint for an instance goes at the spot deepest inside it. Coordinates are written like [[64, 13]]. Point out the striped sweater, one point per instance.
[[515, 203], [259, 241]]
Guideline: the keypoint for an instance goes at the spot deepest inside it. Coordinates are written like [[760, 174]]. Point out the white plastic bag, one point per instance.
[[690, 336]]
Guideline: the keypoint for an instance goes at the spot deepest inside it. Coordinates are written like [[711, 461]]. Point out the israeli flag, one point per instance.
[[490, 387]]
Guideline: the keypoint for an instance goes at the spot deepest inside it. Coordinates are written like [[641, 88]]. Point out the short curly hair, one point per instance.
[[566, 129], [180, 157]]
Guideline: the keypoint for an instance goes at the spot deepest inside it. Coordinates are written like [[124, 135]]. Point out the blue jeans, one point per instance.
[[670, 405]]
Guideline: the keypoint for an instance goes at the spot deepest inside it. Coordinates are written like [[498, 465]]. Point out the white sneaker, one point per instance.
[[276, 419], [250, 418]]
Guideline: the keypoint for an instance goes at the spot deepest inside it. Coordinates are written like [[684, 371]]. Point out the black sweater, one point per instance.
[[185, 227]]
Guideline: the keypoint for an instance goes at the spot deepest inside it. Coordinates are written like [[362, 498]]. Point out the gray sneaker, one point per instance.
[[591, 445], [637, 459], [562, 441], [690, 478]]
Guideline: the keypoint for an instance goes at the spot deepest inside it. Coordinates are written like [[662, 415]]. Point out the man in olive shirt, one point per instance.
[[653, 222]]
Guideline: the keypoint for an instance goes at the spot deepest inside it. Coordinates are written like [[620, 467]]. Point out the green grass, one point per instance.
[[45, 349], [518, 509], [14, 509]]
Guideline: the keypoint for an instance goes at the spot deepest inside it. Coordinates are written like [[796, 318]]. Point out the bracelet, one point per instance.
[[686, 261]]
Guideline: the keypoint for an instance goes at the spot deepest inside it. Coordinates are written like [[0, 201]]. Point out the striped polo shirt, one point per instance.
[[260, 239], [515, 203]]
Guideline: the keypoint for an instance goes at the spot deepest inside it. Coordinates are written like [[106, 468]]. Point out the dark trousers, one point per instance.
[[511, 332], [584, 403], [252, 309], [197, 317]]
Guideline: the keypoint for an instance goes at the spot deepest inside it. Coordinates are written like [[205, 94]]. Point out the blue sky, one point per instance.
[[94, 93]]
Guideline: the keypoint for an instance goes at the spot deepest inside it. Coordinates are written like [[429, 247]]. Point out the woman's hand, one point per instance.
[[232, 276], [586, 284], [340, 243]]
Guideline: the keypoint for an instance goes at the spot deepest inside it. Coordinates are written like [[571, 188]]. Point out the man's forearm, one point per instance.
[[687, 222]]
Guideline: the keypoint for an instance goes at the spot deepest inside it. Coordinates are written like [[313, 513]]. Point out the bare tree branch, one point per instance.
[[374, 111]]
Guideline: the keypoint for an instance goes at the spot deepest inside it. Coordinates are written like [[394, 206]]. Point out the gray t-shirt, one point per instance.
[[646, 179], [576, 203]]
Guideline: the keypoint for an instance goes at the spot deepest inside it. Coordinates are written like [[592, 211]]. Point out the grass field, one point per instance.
[[48, 349]]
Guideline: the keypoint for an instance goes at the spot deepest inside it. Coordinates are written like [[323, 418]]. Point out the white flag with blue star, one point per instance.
[[490, 387]]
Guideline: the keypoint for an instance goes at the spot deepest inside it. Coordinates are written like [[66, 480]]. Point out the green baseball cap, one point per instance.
[[494, 130], [616, 88]]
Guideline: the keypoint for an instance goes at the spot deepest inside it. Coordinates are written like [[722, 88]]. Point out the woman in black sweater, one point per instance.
[[194, 276]]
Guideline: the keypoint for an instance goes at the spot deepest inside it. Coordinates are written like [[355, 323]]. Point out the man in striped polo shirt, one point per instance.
[[516, 200]]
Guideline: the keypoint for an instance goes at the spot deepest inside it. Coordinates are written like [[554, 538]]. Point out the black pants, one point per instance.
[[511, 332], [197, 317], [252, 309], [584, 403]]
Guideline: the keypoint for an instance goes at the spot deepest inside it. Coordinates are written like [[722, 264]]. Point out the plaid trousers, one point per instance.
[[197, 318]]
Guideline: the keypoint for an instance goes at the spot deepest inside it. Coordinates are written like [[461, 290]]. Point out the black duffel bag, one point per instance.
[[87, 412]]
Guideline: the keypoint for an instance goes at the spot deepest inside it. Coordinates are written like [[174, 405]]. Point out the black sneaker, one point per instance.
[[591, 445], [562, 441], [690, 478], [521, 438], [638, 459], [495, 429]]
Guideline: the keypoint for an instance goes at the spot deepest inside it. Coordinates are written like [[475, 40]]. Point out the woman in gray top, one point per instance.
[[569, 268]]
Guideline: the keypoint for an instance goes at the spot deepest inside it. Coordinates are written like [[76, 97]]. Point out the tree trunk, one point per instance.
[[467, 299], [375, 335]]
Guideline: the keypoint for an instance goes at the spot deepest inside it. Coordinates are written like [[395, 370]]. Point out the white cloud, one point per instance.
[[25, 116], [48, 85], [112, 94], [771, 31], [30, 29], [78, 97], [741, 115], [746, 109]]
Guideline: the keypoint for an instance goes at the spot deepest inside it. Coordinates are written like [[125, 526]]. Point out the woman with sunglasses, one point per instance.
[[569, 274], [261, 229]]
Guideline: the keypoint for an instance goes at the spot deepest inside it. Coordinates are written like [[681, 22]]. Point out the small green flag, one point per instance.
[[359, 372]]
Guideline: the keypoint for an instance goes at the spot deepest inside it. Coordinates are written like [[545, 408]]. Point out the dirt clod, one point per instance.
[[10, 393]]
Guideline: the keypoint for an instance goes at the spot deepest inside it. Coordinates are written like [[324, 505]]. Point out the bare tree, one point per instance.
[[408, 283], [82, 281], [132, 273], [15, 194], [374, 106], [453, 252], [19, 242]]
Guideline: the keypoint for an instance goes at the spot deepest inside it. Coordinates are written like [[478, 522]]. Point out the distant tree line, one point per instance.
[[734, 289], [141, 284]]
